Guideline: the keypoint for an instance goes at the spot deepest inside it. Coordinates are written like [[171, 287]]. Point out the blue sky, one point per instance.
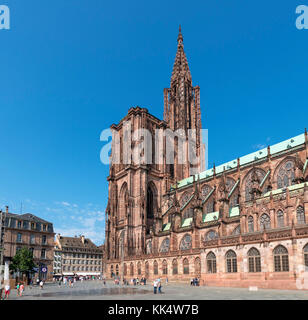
[[69, 69]]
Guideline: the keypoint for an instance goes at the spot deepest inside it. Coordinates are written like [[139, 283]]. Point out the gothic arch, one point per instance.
[[165, 245], [284, 173], [247, 181], [123, 202], [186, 242], [151, 205]]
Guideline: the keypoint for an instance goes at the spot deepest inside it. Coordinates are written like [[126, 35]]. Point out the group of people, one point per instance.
[[194, 282], [157, 285]]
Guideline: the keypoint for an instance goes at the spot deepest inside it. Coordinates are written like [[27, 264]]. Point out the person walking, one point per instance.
[[21, 289], [17, 288], [7, 290], [41, 284], [155, 283], [159, 285]]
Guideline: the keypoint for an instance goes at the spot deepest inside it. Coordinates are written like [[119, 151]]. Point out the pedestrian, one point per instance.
[[167, 280], [37, 281], [17, 288], [21, 289], [7, 290], [159, 286], [41, 284], [155, 283]]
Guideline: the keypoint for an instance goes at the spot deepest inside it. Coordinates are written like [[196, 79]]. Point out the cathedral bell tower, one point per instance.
[[182, 111]]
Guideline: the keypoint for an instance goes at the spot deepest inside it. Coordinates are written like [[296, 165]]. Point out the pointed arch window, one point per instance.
[[174, 266], [231, 262], [186, 243], [211, 262], [131, 269], [117, 269], [139, 268], [165, 246], [254, 260], [286, 174], [147, 268], [281, 259], [300, 215], [165, 267], [280, 219], [155, 267], [185, 266], [250, 224], [265, 222]]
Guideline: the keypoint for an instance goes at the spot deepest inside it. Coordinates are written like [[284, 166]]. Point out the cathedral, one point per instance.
[[240, 224]]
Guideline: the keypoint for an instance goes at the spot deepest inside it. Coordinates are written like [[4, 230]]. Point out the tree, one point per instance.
[[23, 262]]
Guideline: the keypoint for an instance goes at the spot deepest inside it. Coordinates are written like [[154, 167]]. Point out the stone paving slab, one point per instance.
[[96, 290]]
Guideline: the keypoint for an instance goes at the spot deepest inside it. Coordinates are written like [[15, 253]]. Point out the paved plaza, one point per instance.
[[96, 290]]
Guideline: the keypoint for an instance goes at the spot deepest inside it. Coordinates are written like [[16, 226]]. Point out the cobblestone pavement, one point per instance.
[[95, 290]]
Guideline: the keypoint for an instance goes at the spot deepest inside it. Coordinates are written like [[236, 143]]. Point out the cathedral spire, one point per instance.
[[180, 66]]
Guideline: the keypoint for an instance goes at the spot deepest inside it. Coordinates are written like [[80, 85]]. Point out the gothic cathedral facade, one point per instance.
[[243, 223]]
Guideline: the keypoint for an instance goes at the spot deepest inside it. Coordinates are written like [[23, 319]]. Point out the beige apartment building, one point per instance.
[[28, 230], [77, 256]]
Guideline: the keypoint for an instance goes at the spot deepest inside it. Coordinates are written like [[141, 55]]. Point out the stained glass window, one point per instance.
[[165, 245], [281, 259], [165, 267], [265, 222], [300, 215], [254, 260], [211, 235], [174, 266], [211, 262], [186, 242], [250, 224], [280, 219], [147, 268], [155, 267], [185, 266], [286, 174], [185, 197]]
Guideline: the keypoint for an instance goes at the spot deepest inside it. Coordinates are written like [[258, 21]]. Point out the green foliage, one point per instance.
[[23, 261]]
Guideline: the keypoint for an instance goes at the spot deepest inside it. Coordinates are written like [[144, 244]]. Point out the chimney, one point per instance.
[[7, 209], [82, 239]]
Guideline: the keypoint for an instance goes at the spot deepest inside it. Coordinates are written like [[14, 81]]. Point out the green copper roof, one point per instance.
[[247, 159], [291, 188], [212, 216], [166, 226], [234, 212], [187, 222]]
